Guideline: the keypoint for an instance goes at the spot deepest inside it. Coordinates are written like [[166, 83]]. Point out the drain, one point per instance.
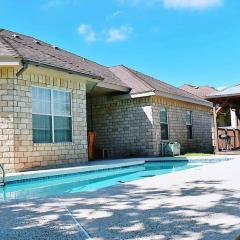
[[121, 182], [149, 176]]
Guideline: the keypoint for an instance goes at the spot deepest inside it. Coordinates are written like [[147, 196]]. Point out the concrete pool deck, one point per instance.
[[199, 203]]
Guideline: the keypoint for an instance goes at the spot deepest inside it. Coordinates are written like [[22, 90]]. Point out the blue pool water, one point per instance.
[[89, 181]]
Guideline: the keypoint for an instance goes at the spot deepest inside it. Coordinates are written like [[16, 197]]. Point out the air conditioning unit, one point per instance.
[[172, 149]]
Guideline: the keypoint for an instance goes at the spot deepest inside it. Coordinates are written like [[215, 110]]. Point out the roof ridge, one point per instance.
[[132, 73]]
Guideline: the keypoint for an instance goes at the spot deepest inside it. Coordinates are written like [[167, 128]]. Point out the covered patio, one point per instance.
[[226, 120]]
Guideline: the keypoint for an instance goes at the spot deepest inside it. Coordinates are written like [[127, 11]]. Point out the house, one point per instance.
[[200, 91], [137, 123], [47, 96], [226, 112]]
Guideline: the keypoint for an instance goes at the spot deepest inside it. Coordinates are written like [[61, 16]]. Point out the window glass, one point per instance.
[[164, 123], [189, 124], [189, 117], [62, 103], [163, 115], [51, 121], [42, 128], [62, 129], [164, 131], [41, 100], [189, 131]]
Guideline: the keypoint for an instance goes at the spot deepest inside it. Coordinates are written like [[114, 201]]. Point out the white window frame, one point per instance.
[[52, 115], [191, 122], [166, 109]]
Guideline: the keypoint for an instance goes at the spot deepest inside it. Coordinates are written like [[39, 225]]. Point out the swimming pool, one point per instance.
[[88, 181]]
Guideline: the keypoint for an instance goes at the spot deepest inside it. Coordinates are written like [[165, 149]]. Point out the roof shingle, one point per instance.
[[31, 49], [200, 91], [139, 83]]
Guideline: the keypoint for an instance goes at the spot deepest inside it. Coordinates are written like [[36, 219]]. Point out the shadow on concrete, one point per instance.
[[129, 212], [148, 214]]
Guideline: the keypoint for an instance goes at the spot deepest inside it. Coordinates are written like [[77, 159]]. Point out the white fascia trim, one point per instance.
[[9, 64], [145, 94], [9, 61]]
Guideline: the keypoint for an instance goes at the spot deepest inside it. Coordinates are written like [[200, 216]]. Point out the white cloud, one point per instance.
[[139, 2], [113, 15], [193, 4], [221, 88], [119, 34], [176, 4], [87, 33], [58, 3]]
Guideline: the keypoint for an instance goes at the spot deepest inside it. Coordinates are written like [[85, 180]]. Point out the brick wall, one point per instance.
[[131, 127], [201, 125], [123, 126], [6, 118], [18, 152]]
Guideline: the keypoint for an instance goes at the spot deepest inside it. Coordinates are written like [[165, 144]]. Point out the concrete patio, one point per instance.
[[200, 203]]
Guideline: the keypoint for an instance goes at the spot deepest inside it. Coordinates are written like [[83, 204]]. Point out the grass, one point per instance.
[[196, 154]]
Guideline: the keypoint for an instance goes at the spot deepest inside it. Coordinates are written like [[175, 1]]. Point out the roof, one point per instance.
[[119, 78], [140, 83], [30, 49], [227, 92], [200, 91]]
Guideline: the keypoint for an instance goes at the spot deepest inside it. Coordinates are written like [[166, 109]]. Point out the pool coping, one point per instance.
[[14, 177]]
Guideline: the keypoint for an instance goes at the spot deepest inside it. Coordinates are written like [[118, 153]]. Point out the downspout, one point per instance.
[[23, 68]]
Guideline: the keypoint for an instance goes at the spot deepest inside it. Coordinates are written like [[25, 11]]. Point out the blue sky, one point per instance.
[[177, 41]]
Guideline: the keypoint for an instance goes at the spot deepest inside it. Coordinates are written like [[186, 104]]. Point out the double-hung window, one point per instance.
[[189, 124], [51, 115], [164, 123]]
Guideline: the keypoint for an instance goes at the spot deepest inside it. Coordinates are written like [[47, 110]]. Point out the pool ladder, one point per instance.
[[2, 182]]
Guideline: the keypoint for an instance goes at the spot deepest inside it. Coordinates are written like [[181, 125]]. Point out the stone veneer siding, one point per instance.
[[17, 150], [131, 127]]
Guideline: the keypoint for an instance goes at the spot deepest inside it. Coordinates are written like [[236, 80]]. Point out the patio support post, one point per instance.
[[215, 129]]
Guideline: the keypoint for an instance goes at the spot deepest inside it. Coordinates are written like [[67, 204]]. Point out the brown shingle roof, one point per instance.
[[38, 52], [33, 50], [200, 91], [131, 80], [139, 83]]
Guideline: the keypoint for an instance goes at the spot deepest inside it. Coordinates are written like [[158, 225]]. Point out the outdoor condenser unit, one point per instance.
[[172, 149]]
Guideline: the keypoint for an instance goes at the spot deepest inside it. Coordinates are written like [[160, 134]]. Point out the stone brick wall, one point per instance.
[[18, 151], [201, 125], [131, 127], [6, 118], [123, 126]]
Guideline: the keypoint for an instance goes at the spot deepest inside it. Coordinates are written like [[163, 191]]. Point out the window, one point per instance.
[[189, 124], [164, 123], [51, 116]]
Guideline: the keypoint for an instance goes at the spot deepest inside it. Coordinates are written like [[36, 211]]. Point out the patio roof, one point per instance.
[[229, 96]]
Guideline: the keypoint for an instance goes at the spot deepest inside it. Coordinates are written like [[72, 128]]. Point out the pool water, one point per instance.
[[89, 181]]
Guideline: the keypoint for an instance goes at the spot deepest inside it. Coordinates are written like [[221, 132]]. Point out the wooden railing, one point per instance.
[[234, 138]]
